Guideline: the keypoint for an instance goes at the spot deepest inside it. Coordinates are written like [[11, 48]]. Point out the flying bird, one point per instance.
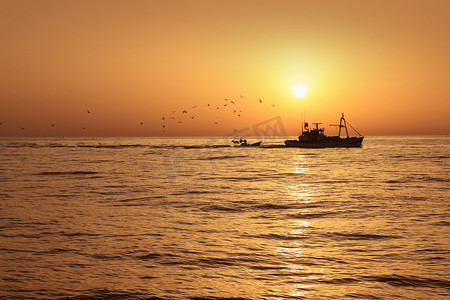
[[172, 118], [52, 125], [88, 111], [192, 117], [260, 101], [163, 118], [232, 101], [142, 123], [184, 111], [22, 128], [242, 96], [164, 126]]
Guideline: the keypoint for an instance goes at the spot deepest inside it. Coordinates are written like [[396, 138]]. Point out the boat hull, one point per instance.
[[330, 143], [257, 144]]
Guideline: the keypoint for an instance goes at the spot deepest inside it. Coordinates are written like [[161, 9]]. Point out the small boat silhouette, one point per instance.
[[244, 143]]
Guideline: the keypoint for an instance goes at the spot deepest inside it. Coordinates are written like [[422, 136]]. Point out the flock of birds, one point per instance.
[[232, 105], [179, 116], [51, 124]]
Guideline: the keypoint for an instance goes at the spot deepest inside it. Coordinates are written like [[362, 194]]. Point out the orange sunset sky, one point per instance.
[[386, 64]]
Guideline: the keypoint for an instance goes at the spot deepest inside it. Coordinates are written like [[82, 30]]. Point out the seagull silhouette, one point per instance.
[[88, 111], [52, 125], [163, 118], [184, 111], [260, 101], [142, 123], [192, 117], [232, 102]]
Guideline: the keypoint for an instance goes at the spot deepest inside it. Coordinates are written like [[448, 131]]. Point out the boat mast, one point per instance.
[[345, 125]]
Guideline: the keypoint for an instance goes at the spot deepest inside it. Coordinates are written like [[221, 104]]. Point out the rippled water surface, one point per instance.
[[198, 219]]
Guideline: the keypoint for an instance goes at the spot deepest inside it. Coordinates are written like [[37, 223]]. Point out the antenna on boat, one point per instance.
[[304, 121]]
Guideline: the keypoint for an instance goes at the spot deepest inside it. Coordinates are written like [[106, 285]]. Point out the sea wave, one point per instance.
[[67, 173], [417, 178], [442, 223], [275, 236], [362, 296], [221, 157], [360, 236], [223, 208], [312, 215], [106, 294], [410, 281]]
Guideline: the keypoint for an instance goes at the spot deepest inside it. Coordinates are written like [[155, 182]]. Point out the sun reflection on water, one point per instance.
[[300, 193], [293, 251], [300, 167], [294, 256]]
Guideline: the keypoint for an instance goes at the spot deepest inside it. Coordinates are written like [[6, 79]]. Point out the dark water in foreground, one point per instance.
[[196, 219]]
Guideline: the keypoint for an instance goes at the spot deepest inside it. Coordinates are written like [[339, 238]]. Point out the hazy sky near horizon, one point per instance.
[[386, 64]]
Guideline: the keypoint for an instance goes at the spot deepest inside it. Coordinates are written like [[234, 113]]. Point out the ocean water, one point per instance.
[[147, 218]]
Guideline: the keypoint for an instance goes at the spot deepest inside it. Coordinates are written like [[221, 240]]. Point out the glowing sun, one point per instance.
[[299, 91]]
